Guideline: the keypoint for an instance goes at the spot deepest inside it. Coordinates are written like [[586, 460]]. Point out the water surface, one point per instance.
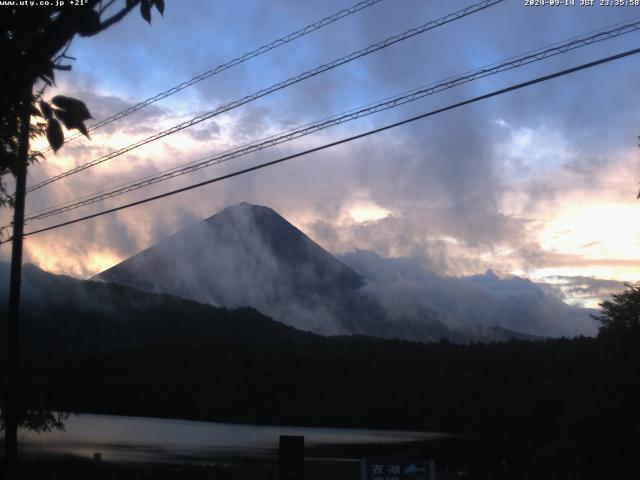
[[142, 439]]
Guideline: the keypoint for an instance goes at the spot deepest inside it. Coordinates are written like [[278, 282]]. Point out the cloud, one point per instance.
[[468, 190], [404, 285], [205, 132], [587, 291]]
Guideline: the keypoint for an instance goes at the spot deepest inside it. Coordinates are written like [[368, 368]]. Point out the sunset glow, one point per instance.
[[594, 231], [368, 213], [530, 184]]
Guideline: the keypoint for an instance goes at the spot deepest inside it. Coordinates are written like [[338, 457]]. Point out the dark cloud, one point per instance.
[[204, 132], [252, 122]]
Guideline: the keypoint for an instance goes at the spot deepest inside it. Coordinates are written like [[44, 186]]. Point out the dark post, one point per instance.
[[291, 458], [97, 462], [11, 405]]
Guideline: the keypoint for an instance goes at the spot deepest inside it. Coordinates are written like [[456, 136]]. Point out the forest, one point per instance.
[[560, 408]]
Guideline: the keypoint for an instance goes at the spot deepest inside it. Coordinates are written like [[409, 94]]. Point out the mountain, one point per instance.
[[63, 314], [249, 255], [246, 255], [60, 314]]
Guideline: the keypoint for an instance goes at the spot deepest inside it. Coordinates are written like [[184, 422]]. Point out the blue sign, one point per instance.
[[397, 469]]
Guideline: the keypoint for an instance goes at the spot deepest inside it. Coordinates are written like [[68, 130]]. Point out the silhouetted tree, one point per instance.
[[617, 403], [34, 41], [620, 316]]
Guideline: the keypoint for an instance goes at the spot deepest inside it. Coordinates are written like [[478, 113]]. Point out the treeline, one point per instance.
[[561, 409], [563, 406]]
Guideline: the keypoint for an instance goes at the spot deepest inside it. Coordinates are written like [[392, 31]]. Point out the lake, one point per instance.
[[160, 440]]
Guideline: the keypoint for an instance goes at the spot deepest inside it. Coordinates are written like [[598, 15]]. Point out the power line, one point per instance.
[[278, 86], [391, 102], [342, 141], [594, 36], [225, 66]]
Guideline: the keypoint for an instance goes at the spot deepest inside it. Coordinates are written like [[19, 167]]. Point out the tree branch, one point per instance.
[[116, 18], [104, 9], [61, 31], [62, 54]]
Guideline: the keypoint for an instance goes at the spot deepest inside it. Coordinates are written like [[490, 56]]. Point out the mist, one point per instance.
[[249, 255], [403, 286]]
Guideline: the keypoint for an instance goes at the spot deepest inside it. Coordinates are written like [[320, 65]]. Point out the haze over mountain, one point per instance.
[[60, 314], [248, 255]]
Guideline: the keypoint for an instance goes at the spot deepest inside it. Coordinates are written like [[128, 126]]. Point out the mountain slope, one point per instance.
[[246, 255], [250, 255], [63, 314]]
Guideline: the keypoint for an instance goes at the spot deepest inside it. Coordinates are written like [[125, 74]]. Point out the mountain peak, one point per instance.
[[245, 209], [245, 254]]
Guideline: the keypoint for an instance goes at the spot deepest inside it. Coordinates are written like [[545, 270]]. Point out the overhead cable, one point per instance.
[[226, 66], [502, 91], [278, 86], [389, 103]]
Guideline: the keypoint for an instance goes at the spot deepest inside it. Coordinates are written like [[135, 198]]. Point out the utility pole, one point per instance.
[[13, 338]]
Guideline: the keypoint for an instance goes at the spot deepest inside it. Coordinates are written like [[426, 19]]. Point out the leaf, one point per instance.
[[131, 3], [71, 121], [54, 134], [49, 78], [89, 24], [159, 5], [76, 107], [82, 127], [145, 10], [45, 108], [35, 157], [47, 74]]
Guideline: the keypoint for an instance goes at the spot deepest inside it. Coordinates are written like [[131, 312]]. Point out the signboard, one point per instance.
[[397, 469]]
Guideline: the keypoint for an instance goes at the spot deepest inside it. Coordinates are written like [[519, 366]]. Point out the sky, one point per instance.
[[539, 183]]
